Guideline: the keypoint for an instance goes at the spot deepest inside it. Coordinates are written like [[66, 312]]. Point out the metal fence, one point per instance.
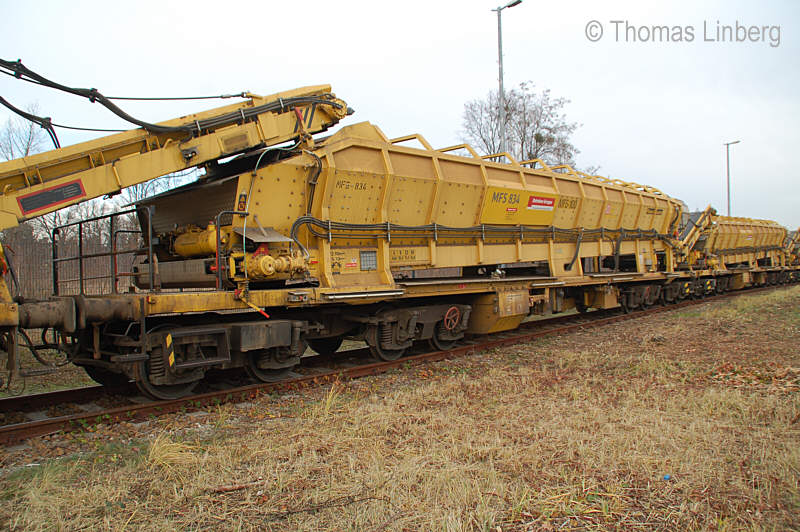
[[31, 257]]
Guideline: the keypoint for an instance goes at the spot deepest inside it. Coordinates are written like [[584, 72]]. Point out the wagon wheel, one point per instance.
[[653, 295], [166, 392], [379, 352], [580, 305], [623, 303], [386, 354], [108, 378], [437, 342], [264, 374], [326, 346], [703, 291], [680, 294], [644, 303], [662, 297], [450, 321], [669, 294], [696, 293]]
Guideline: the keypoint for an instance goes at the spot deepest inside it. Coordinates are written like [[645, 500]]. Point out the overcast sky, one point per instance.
[[651, 112]]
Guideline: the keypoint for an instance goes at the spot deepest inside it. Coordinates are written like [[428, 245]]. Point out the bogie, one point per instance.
[[270, 365], [392, 331]]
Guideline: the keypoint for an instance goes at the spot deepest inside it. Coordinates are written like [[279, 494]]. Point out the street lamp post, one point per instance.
[[728, 169], [500, 61]]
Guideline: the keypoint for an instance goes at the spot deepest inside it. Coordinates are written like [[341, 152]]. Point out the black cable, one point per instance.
[[577, 250], [312, 179], [89, 128], [242, 94], [34, 349], [402, 231], [17, 288], [13, 75], [44, 122], [20, 71]]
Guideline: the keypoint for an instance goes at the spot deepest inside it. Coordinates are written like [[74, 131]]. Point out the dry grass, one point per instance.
[[169, 456], [575, 432]]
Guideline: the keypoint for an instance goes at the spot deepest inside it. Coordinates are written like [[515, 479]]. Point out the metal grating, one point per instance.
[[369, 260]]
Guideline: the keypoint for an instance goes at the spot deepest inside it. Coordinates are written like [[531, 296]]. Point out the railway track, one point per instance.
[[87, 403]]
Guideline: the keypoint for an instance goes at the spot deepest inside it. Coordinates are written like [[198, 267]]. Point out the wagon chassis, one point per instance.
[[330, 372]]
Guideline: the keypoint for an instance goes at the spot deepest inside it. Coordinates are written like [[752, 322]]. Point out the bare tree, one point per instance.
[[43, 225], [482, 123], [141, 191], [536, 125], [593, 169], [20, 138]]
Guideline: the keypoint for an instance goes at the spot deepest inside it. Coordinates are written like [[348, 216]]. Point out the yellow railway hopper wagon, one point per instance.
[[290, 241], [742, 252], [426, 220], [394, 243], [420, 209]]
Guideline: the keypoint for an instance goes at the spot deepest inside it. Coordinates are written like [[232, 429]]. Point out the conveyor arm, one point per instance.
[[793, 247], [693, 234], [43, 183], [793, 241]]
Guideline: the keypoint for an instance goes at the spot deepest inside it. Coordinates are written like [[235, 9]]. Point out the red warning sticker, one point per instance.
[[538, 203]]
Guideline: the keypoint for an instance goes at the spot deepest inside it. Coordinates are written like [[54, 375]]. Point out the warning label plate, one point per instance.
[[49, 197], [515, 206]]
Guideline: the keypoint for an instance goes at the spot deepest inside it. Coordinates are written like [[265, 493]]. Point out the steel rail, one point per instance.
[[32, 402], [88, 394]]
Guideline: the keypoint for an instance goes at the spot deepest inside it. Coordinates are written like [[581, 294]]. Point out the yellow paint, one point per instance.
[[501, 311], [196, 242], [8, 310], [9, 313], [516, 206]]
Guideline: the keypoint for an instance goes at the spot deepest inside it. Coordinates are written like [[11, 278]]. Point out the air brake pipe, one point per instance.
[[577, 250]]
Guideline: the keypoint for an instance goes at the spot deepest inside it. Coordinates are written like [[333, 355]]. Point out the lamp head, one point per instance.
[[510, 4]]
